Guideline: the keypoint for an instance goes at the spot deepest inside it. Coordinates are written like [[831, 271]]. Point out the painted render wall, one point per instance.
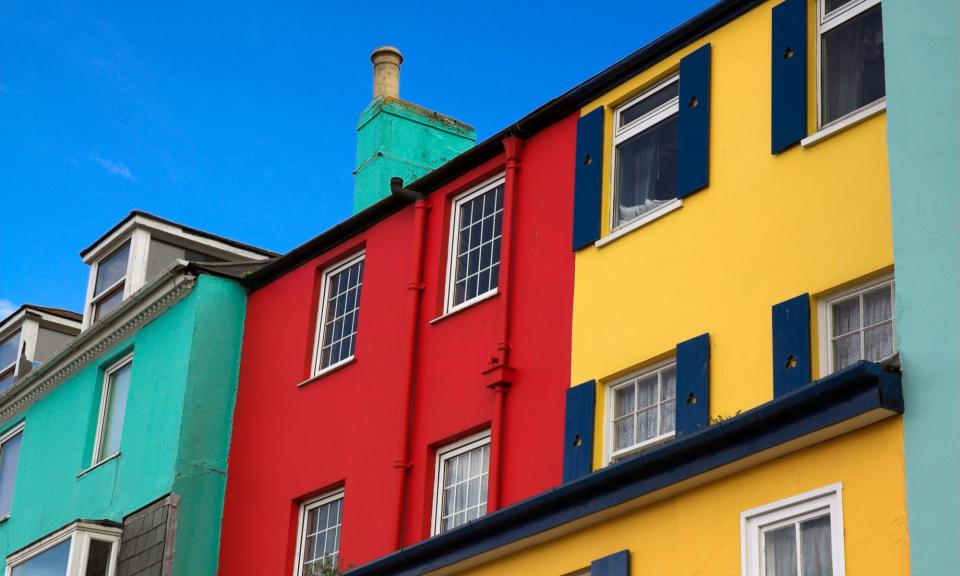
[[697, 532], [767, 228], [922, 50], [209, 398], [179, 357], [341, 429]]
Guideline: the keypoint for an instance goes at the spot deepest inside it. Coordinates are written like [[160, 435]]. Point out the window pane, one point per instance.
[[8, 350], [647, 424], [877, 306], [846, 351], [624, 400], [816, 556], [108, 304], [464, 492], [647, 170], [53, 562], [98, 559], [780, 552], [341, 314], [650, 103], [623, 429], [118, 386], [834, 4], [853, 65], [321, 537], [111, 269], [6, 380], [878, 342], [846, 316], [668, 420], [647, 392], [477, 255], [9, 458], [668, 388]]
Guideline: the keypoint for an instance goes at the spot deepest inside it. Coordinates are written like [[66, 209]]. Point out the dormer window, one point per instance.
[[139, 250], [31, 336], [108, 292]]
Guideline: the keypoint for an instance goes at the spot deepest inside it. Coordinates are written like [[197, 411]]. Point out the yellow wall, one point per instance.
[[767, 228], [697, 533]]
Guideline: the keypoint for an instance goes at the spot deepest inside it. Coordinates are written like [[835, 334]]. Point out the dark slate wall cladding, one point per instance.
[[146, 547]]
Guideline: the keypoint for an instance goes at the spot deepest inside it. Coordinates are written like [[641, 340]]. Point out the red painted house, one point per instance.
[[405, 371]]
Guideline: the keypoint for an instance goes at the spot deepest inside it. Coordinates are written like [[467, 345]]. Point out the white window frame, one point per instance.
[[320, 330], [812, 504], [305, 508], [825, 317], [99, 458], [138, 246], [610, 454], [458, 201], [18, 429], [443, 455], [624, 133], [826, 23], [80, 534]]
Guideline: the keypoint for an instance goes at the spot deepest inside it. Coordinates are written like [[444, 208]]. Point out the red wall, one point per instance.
[[290, 443]]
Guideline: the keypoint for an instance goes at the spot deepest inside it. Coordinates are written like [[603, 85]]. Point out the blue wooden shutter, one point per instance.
[[693, 385], [791, 345], [578, 431], [789, 60], [613, 565], [588, 181], [693, 161]]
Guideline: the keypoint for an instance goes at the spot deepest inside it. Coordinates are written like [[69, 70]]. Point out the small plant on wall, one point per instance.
[[322, 569], [721, 417]]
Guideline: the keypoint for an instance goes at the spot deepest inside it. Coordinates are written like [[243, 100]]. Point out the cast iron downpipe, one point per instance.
[[500, 371], [414, 288]]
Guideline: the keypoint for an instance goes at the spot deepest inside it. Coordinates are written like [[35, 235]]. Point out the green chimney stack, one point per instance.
[[397, 138]]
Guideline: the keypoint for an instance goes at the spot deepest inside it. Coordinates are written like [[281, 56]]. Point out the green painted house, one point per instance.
[[113, 446], [922, 51]]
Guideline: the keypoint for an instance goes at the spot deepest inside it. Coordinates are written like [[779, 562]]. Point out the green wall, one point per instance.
[[397, 138], [922, 52], [175, 434], [211, 390]]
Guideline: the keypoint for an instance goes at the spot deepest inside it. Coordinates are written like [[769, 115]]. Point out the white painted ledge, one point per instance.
[[658, 212], [848, 121]]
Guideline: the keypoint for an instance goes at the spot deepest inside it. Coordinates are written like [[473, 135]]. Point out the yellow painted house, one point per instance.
[[735, 406]]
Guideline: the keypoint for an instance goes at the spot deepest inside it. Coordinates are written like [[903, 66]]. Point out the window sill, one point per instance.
[[641, 221], [328, 370], [466, 306], [848, 121], [110, 458], [640, 448]]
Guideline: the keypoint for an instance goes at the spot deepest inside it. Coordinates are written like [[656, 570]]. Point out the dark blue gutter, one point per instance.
[[855, 391]]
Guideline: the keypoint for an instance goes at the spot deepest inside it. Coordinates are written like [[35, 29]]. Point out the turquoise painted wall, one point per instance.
[[397, 138], [175, 434], [209, 397], [922, 51]]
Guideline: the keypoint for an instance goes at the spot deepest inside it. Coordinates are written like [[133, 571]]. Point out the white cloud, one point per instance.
[[115, 168], [6, 308]]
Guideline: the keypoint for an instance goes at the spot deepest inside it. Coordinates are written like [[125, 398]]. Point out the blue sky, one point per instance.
[[238, 118]]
